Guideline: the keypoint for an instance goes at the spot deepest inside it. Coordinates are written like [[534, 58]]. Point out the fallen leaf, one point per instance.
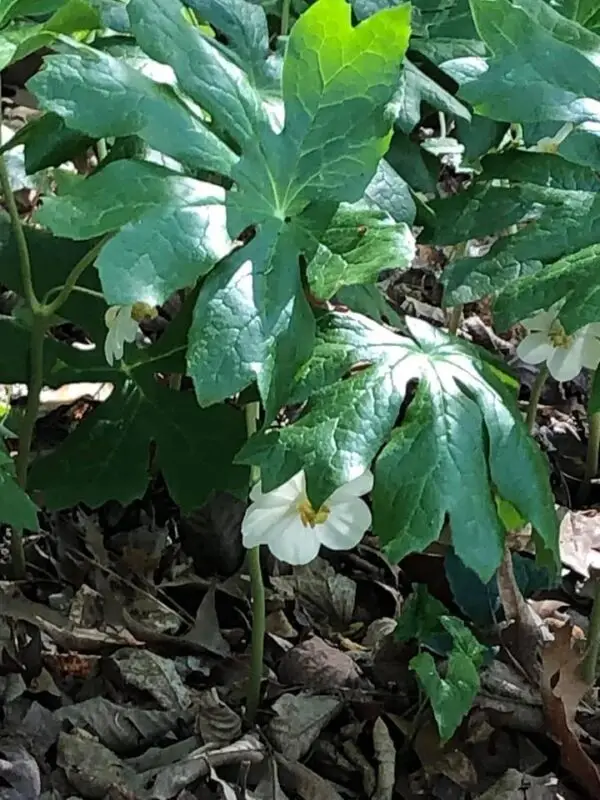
[[216, 723], [19, 771], [299, 720], [385, 753], [91, 767], [318, 665], [150, 673], [206, 631], [579, 539], [298, 779], [123, 729], [172, 779], [562, 688]]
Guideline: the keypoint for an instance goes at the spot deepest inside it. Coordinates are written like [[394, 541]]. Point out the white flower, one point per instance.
[[550, 144], [565, 355], [287, 523], [121, 328]]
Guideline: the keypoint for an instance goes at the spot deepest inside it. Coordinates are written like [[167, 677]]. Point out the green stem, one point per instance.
[[34, 387], [73, 277], [534, 399], [83, 289], [22, 249], [454, 319], [257, 589], [590, 661], [591, 461], [285, 17]]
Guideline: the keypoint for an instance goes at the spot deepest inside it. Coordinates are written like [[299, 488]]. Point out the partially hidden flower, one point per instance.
[[123, 326], [550, 144], [293, 530], [565, 354]]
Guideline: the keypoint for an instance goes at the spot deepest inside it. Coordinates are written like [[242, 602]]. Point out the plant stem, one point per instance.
[[285, 17], [257, 589], [534, 399], [22, 249], [72, 278], [591, 461], [34, 387], [454, 319], [590, 661]]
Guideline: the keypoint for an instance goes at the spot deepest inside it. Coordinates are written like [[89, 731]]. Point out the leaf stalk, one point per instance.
[[534, 398], [257, 591]]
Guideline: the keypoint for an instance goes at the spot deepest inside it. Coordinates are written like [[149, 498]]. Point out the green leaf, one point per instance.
[[254, 308], [48, 143], [573, 279], [417, 88], [172, 228], [356, 247], [461, 439], [420, 617], [570, 222], [447, 18], [22, 38], [479, 136], [244, 25], [251, 317], [389, 192], [534, 76], [52, 259], [543, 169], [481, 210], [102, 96], [16, 508], [107, 457], [452, 696], [369, 300]]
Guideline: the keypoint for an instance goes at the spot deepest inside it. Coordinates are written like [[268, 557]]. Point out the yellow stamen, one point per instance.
[[141, 311], [309, 516], [558, 337]]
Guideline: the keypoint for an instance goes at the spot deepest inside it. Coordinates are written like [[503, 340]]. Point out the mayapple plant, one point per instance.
[[253, 180]]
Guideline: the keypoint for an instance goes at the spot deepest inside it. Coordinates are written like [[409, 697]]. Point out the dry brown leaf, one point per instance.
[[299, 720], [215, 721], [318, 665], [562, 688], [439, 759], [580, 540], [385, 753]]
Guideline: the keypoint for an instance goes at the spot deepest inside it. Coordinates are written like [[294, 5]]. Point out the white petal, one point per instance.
[[294, 543], [590, 352], [111, 315], [260, 523], [593, 329], [125, 326], [356, 488], [564, 365], [290, 490], [535, 348], [542, 321], [109, 347], [345, 525]]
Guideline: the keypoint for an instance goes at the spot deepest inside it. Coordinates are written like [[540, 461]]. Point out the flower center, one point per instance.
[[309, 516], [141, 311], [558, 337]]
